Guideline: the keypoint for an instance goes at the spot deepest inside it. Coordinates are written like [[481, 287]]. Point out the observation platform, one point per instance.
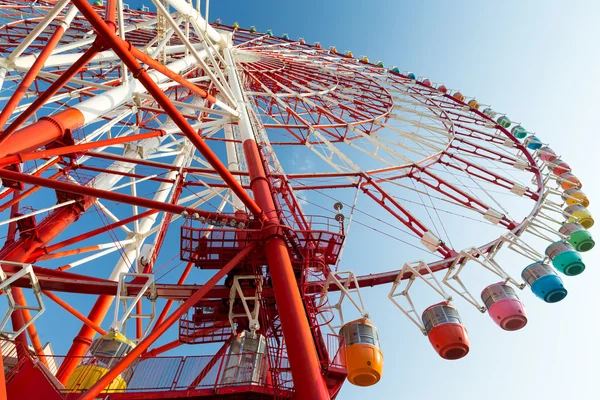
[[212, 248]]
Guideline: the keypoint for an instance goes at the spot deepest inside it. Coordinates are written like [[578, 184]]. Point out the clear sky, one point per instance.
[[538, 62]]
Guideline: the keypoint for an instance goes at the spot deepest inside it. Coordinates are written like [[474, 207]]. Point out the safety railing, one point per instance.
[[337, 351], [178, 373], [160, 374]]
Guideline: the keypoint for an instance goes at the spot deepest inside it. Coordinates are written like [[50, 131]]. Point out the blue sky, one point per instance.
[[538, 62]]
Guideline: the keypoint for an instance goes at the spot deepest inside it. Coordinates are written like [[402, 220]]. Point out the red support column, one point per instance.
[[110, 11], [302, 353]]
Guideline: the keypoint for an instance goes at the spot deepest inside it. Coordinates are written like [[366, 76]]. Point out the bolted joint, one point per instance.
[[83, 340], [99, 44]]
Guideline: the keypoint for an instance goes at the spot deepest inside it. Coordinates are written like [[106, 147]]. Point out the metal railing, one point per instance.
[[337, 351], [175, 373], [157, 374]]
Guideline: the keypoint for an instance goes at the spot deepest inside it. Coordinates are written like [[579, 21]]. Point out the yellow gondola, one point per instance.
[[104, 353]]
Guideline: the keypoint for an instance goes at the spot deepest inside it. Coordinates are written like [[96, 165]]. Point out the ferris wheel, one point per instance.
[[204, 186]]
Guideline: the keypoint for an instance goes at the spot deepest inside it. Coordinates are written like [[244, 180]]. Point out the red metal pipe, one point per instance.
[[139, 329], [155, 164], [66, 253], [172, 319], [20, 196], [31, 331], [41, 100], [302, 353], [111, 11], [143, 57], [59, 151], [162, 349], [47, 129], [91, 192], [73, 311], [14, 210], [121, 49], [38, 172], [122, 173], [29, 77], [40, 252]]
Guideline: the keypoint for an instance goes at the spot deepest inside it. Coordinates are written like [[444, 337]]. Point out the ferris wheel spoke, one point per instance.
[[397, 178], [425, 143], [433, 181], [366, 111], [485, 174], [101, 250], [206, 194], [376, 192], [462, 114], [479, 135], [474, 149], [440, 124]]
